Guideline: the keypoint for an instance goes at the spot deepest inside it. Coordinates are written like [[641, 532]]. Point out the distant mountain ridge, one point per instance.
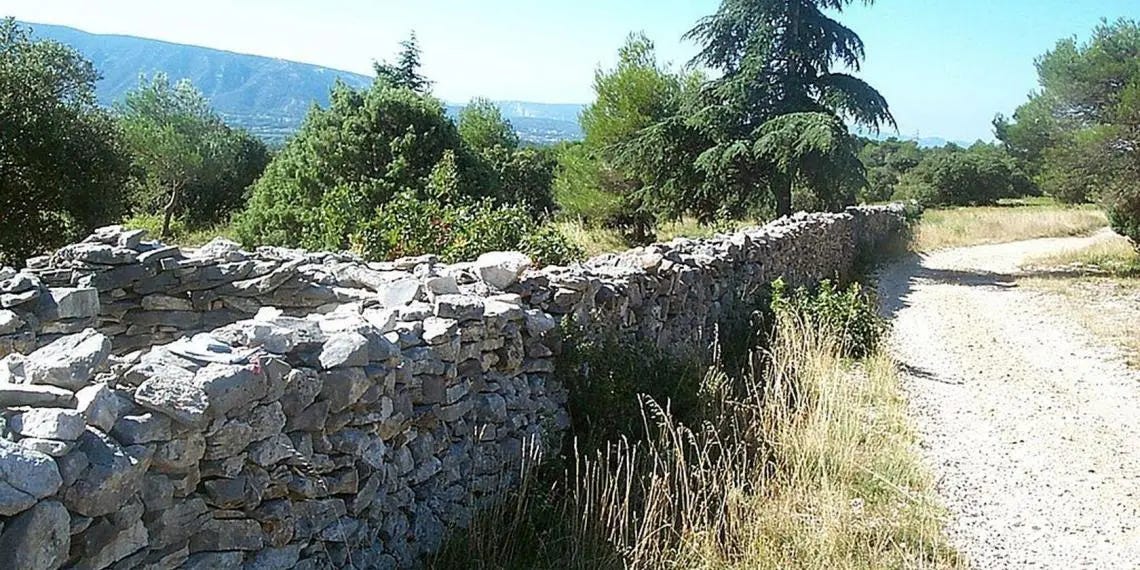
[[267, 96]]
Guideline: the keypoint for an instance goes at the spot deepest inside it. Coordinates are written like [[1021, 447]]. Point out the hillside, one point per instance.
[[267, 96]]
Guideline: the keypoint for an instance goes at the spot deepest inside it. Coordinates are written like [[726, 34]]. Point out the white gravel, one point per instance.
[[1031, 427]]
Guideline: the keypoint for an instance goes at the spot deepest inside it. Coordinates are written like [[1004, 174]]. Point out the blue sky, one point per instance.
[[945, 66]]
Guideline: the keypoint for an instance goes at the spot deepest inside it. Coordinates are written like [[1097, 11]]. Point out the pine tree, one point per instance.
[[776, 111], [405, 72]]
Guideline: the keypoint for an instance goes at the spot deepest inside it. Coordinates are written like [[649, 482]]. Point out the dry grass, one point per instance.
[[810, 464], [1115, 257], [1100, 288], [181, 235], [997, 224], [594, 241]]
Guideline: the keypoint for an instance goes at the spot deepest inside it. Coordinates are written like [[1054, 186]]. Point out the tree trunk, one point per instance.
[[168, 212], [782, 190]]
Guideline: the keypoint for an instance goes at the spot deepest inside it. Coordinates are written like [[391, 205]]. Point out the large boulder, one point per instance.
[[26, 476], [69, 362], [37, 539], [113, 474]]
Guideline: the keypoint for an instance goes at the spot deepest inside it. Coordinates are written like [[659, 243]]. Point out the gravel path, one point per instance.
[[1031, 427]]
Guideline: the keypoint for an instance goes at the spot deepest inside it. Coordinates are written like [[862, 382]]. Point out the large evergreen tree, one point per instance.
[[774, 118]]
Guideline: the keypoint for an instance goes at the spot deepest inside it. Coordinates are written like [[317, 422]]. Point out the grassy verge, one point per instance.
[[1011, 221], [1100, 289], [804, 459], [1115, 257], [180, 233]]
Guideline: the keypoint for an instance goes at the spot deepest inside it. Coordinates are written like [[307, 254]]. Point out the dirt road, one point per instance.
[[1031, 426]]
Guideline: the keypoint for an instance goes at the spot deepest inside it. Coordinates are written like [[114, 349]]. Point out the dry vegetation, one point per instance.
[[809, 464], [1012, 221], [1101, 287]]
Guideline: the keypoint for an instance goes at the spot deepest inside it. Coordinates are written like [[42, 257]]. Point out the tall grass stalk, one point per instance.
[[806, 461]]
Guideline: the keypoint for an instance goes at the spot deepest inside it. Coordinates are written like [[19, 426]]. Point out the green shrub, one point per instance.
[[1122, 201], [63, 163], [407, 226], [981, 175], [352, 158], [547, 246], [847, 311], [606, 377]]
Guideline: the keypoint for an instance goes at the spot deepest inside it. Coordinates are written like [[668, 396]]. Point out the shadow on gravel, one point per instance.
[[897, 281], [924, 374]]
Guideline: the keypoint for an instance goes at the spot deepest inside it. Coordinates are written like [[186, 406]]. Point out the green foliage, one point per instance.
[[1081, 131], [885, 162], [523, 177], [1122, 201], [605, 378], [951, 176], [352, 158], [1032, 131], [603, 183], [776, 60], [482, 127], [815, 153], [405, 72], [849, 312], [191, 165], [62, 161], [518, 176], [408, 225]]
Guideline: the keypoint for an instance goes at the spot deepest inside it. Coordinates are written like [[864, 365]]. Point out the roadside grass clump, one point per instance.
[[847, 313], [1115, 257], [798, 458], [1011, 221], [1099, 285]]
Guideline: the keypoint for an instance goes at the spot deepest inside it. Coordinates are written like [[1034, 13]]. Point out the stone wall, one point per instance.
[[218, 408]]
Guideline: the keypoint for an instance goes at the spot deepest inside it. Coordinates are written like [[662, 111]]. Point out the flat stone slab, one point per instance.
[[69, 362], [49, 423], [12, 395]]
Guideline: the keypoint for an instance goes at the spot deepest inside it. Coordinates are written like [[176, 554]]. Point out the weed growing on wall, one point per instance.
[[848, 313]]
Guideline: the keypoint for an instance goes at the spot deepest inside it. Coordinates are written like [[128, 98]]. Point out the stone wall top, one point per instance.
[[272, 409]]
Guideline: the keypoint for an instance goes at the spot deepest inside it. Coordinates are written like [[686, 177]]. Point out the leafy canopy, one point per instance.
[[192, 165], [951, 176], [1080, 133], [598, 178], [62, 161], [482, 127], [351, 158]]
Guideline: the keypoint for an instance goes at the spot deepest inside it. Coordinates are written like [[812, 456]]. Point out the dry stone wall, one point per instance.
[[218, 408]]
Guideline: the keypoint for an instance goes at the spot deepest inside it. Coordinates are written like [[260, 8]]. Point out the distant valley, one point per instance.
[[267, 96]]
